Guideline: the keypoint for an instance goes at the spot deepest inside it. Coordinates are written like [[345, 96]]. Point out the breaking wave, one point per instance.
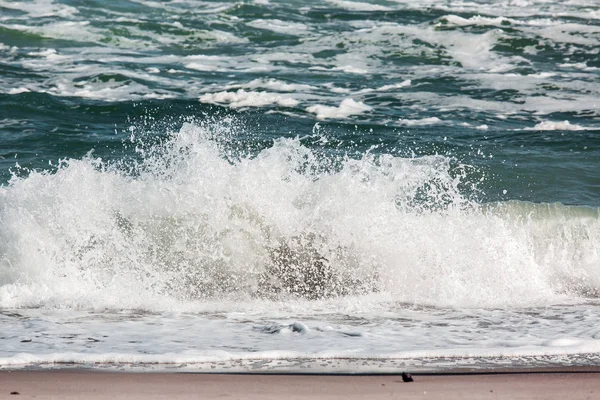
[[192, 222]]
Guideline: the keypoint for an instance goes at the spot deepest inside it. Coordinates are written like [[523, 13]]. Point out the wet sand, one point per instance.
[[69, 384]]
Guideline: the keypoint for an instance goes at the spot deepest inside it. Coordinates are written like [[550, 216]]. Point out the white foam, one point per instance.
[[582, 66], [43, 53], [78, 31], [539, 105], [148, 3], [225, 37], [81, 31], [18, 90], [242, 98], [279, 26], [273, 84], [554, 126], [110, 90], [421, 122], [346, 108], [472, 51], [41, 8], [571, 33], [475, 20], [294, 57], [358, 6], [513, 8], [542, 105], [201, 67], [405, 83], [190, 6], [351, 69], [339, 90], [369, 341], [255, 63]]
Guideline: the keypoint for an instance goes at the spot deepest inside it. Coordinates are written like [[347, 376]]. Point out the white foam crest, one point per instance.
[[40, 8], [473, 51], [560, 103], [192, 6], [18, 90], [346, 108], [242, 98], [69, 77], [582, 66], [272, 84], [279, 26], [420, 122], [189, 227], [84, 31], [358, 6], [513, 8], [77, 31], [401, 85], [540, 105], [201, 62], [110, 90], [475, 20], [557, 126], [571, 33], [223, 36]]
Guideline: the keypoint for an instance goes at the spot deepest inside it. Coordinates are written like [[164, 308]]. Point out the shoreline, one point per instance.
[[144, 370], [588, 362], [96, 384]]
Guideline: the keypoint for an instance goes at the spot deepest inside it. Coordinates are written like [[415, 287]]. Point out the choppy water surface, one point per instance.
[[309, 185]]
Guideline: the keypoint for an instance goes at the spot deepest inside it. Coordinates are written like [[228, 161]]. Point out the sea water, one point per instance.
[[314, 186]]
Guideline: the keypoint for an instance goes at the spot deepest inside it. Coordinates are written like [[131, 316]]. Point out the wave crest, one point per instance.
[[194, 221]]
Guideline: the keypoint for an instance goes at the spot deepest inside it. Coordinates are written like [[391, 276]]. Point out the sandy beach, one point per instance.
[[69, 384]]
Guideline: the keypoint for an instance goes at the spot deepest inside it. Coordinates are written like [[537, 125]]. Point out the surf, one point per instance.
[[191, 222]]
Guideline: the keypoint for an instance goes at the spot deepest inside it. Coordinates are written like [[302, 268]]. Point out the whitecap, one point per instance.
[[346, 108]]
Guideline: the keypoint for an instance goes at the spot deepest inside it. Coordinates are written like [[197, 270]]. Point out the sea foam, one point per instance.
[[194, 221]]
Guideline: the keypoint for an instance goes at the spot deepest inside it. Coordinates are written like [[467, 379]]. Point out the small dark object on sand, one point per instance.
[[407, 377], [15, 393]]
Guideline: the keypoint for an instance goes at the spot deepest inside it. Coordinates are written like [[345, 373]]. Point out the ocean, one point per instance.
[[299, 186]]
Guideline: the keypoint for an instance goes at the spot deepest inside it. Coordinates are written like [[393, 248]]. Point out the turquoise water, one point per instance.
[[299, 180]]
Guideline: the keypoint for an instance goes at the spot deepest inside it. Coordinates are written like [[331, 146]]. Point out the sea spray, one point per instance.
[[193, 222]]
